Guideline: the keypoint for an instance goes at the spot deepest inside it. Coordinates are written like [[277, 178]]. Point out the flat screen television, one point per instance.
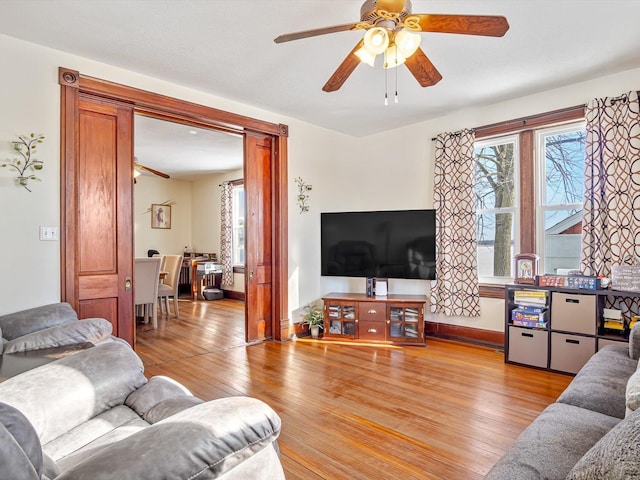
[[384, 244]]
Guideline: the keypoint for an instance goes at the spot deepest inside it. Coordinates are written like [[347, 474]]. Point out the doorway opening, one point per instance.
[[186, 170]]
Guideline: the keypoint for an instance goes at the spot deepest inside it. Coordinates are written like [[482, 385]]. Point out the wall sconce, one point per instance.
[[26, 165], [303, 196]]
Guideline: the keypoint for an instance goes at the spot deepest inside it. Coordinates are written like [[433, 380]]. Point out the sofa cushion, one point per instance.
[[21, 453], [205, 442], [156, 390], [91, 330], [615, 456], [21, 323], [601, 383], [552, 444]]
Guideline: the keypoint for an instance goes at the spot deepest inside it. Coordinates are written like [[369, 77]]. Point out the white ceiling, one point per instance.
[[185, 152], [226, 48]]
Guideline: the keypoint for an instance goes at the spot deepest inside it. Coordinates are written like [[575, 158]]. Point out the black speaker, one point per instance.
[[369, 286]]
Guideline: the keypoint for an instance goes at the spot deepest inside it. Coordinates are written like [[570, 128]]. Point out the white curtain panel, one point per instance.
[[611, 215], [455, 292], [226, 234]]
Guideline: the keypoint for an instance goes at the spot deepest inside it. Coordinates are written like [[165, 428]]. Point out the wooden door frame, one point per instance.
[[160, 106]]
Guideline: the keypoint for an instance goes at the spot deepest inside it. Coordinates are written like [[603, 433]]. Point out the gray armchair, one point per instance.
[[94, 415], [49, 326]]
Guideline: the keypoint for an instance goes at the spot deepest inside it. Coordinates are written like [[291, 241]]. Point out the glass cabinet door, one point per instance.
[[404, 323], [340, 319]]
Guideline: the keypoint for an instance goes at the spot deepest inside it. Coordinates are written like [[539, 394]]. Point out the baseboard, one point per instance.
[[234, 295], [466, 334]]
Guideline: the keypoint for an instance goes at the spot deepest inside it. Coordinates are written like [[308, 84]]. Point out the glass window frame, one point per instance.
[[234, 227], [514, 210], [524, 127], [541, 205]]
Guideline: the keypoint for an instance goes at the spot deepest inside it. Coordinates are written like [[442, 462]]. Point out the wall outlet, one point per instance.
[[48, 233]]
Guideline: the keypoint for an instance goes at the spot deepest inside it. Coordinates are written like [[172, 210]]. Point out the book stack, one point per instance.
[[532, 308], [534, 298]]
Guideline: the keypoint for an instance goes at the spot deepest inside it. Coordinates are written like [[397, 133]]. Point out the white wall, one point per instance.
[[389, 170], [149, 190]]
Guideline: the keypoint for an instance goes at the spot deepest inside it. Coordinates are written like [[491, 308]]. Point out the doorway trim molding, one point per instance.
[[183, 111]]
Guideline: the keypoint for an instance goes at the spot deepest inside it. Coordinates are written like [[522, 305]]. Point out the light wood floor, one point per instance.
[[445, 411]]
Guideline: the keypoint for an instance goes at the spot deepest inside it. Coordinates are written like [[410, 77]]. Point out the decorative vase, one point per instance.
[[315, 331]]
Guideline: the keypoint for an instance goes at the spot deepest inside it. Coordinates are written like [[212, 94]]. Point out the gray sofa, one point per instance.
[[593, 429], [94, 415], [49, 326]]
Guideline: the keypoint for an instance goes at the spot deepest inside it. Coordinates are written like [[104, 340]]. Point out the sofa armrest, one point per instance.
[[205, 441], [61, 395], [21, 323], [160, 398], [634, 342], [92, 330]]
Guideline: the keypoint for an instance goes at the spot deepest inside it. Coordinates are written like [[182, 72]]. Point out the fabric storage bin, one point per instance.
[[569, 353], [528, 346], [573, 312]]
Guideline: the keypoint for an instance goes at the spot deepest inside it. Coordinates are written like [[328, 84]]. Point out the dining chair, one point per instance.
[[169, 288], [146, 273]]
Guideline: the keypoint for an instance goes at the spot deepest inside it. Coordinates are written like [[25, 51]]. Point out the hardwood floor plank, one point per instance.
[[445, 411]]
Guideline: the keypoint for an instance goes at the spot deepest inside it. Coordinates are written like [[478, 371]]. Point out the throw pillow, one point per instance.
[[614, 456]]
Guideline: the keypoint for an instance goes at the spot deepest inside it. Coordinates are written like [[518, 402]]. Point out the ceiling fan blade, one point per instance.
[[422, 68], [345, 69], [313, 33], [487, 25], [151, 170], [393, 6]]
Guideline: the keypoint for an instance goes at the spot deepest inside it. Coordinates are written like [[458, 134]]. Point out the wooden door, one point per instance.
[[97, 210], [259, 214]]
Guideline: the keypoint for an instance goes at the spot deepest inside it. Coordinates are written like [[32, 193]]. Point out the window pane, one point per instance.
[[495, 203], [495, 176], [495, 244], [564, 167], [238, 225], [562, 231]]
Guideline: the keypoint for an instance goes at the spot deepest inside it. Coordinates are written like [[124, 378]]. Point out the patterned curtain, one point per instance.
[[611, 214], [455, 292], [226, 234]]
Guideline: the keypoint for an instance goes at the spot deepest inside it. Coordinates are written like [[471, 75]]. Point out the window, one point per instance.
[[529, 193], [238, 209], [496, 207], [561, 163]]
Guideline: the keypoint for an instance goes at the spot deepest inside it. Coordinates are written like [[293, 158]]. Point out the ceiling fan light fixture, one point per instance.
[[407, 42], [376, 40], [393, 57], [136, 172], [366, 56]]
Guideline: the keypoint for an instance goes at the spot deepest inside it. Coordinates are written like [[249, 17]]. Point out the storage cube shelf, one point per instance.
[[559, 328]]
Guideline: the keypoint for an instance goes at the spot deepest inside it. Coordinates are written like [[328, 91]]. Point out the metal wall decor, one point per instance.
[[25, 164], [303, 196]]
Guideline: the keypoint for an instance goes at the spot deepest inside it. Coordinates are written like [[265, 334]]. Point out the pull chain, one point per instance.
[[386, 97]]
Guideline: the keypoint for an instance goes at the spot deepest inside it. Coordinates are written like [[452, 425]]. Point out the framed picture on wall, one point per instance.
[[160, 216]]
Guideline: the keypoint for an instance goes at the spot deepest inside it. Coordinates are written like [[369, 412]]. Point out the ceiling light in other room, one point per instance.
[[407, 42], [376, 40]]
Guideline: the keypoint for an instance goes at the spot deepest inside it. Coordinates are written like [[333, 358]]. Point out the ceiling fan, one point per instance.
[[138, 167], [392, 30]]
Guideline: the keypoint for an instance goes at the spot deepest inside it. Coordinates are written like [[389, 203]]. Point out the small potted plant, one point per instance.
[[314, 317]]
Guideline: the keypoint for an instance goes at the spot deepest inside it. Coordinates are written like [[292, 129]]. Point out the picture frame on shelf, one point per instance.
[[160, 216], [526, 268]]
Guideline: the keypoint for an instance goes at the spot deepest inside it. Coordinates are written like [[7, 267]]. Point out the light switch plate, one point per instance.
[[48, 233]]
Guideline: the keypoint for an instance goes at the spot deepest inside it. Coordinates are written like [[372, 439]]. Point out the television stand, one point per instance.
[[392, 319]]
